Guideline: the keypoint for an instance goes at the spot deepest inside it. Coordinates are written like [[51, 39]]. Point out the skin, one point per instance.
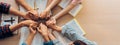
[[32, 11], [66, 10], [52, 22], [51, 36], [42, 29], [71, 43], [46, 13], [21, 24], [31, 35], [18, 13]]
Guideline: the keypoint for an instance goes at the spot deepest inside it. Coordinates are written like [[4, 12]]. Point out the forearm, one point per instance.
[[52, 4], [52, 37], [65, 11], [55, 27], [25, 5], [16, 26], [16, 12], [30, 39], [46, 38], [48, 3]]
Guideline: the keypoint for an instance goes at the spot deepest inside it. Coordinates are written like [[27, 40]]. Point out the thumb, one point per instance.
[[30, 28], [39, 29]]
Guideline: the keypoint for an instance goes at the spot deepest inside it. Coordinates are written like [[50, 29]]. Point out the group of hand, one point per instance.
[[42, 29], [34, 15], [35, 26]]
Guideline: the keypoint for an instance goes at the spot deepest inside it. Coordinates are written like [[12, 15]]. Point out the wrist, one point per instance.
[[46, 38], [58, 28], [23, 14], [30, 8], [47, 9], [45, 34], [32, 34], [22, 23]]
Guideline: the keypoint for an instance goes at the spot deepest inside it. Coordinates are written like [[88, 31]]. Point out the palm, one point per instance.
[[43, 29]]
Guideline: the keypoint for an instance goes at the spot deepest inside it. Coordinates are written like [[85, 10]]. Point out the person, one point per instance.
[[67, 9], [8, 9], [46, 12], [7, 30], [69, 32], [31, 35], [33, 14], [50, 5], [42, 29]]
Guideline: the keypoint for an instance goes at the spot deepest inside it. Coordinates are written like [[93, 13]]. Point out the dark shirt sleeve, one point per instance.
[[4, 8], [5, 32], [24, 43], [48, 43]]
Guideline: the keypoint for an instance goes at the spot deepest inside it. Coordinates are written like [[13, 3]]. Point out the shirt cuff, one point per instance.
[[24, 43], [4, 7]]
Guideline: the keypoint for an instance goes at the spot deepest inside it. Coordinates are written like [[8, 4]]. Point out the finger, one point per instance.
[[30, 28], [30, 15], [48, 16], [41, 24], [39, 29]]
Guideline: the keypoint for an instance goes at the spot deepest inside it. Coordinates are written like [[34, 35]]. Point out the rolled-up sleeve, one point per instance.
[[5, 32], [71, 34], [4, 8]]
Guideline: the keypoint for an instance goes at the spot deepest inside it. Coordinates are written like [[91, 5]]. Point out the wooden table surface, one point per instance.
[[15, 39], [99, 18]]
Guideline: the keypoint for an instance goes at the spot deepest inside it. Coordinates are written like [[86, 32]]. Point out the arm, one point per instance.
[[18, 13], [25, 5], [42, 29], [32, 12], [50, 5], [51, 36], [53, 3], [66, 10], [46, 38], [52, 24], [15, 27], [21, 24], [49, 2], [30, 39], [6, 8], [31, 35]]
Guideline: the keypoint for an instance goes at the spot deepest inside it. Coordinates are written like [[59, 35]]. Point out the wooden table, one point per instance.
[[15, 39]]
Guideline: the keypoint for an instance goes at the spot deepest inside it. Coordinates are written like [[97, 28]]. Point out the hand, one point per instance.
[[42, 29], [32, 28], [51, 22], [33, 15], [26, 16], [28, 22], [45, 14]]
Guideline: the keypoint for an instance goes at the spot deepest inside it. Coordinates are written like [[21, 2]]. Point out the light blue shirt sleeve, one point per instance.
[[71, 34], [57, 42], [24, 43]]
